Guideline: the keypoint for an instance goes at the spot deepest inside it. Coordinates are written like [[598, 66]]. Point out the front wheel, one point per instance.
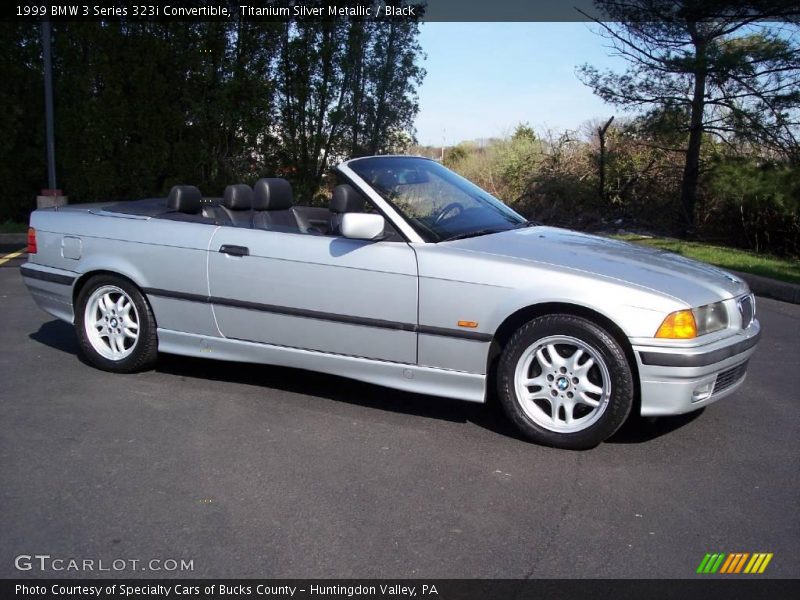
[[115, 326], [565, 382]]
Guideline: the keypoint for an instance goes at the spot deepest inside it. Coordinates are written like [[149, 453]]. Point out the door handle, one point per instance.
[[234, 250]]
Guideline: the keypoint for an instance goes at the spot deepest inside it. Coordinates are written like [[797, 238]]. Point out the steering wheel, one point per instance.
[[453, 206]]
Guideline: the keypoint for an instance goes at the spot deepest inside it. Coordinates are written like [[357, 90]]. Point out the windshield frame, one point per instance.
[[418, 232]]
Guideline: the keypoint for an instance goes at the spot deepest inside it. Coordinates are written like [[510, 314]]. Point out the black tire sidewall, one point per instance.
[[622, 387], [145, 351]]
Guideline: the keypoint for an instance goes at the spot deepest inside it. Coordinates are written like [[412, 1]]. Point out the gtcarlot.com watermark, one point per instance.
[[47, 563]]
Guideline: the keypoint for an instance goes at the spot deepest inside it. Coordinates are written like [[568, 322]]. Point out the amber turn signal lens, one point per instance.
[[31, 240], [470, 324], [679, 325]]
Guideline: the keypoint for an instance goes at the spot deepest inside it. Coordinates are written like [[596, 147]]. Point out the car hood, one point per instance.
[[688, 280]]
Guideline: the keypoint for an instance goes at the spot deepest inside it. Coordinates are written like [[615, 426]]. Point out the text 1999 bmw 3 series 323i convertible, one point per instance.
[[412, 278]]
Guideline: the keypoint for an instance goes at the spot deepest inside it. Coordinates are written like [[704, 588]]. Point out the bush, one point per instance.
[[752, 204], [744, 202]]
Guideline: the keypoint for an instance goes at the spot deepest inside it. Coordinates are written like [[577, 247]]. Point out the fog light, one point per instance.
[[702, 392]]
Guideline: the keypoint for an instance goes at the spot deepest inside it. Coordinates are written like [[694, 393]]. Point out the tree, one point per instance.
[[523, 131], [23, 170], [730, 70], [196, 111], [141, 106], [345, 88], [393, 76]]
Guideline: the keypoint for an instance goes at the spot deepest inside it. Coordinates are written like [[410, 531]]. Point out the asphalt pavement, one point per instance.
[[256, 471]]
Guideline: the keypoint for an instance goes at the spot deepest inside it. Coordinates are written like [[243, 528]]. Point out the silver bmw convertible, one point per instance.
[[411, 278]]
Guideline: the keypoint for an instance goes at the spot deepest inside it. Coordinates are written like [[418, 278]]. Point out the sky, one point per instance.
[[485, 78]]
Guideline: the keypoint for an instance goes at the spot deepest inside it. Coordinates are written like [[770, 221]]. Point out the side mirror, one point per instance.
[[362, 226]]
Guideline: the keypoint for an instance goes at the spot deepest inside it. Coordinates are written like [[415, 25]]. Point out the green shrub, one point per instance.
[[744, 202], [753, 204]]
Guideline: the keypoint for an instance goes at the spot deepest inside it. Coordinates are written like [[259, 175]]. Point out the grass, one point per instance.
[[728, 258], [13, 227]]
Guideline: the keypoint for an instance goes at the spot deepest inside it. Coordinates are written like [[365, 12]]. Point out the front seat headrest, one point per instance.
[[185, 199], [272, 193], [346, 199], [238, 197]]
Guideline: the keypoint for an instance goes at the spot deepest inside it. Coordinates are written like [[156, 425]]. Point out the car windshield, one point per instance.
[[436, 202]]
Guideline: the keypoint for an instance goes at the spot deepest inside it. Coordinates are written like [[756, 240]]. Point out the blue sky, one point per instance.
[[485, 78]]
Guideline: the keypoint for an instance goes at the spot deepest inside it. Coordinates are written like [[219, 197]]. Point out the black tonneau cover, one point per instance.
[[150, 207]]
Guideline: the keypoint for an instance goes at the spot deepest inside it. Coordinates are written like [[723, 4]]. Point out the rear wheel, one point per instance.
[[565, 382], [115, 326]]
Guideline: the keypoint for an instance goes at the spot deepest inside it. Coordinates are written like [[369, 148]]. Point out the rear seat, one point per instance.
[[272, 207], [237, 203], [185, 203], [268, 205]]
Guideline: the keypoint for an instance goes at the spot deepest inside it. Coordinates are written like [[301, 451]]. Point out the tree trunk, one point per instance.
[[601, 133], [691, 170]]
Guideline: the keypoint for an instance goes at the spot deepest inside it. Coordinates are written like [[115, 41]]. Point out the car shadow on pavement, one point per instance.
[[340, 389], [637, 430], [58, 335], [61, 336]]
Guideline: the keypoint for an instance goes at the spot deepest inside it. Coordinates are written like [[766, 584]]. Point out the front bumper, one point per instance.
[[679, 380]]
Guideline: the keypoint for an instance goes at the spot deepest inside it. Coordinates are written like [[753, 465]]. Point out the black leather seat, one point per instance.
[[345, 199], [185, 203], [185, 199], [272, 206], [237, 203]]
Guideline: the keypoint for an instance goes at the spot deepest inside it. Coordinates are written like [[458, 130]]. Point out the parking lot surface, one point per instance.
[[255, 471]]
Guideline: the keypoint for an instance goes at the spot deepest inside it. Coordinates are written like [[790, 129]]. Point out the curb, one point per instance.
[[771, 288]]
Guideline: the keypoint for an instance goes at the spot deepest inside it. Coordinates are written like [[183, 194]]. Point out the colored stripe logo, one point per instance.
[[734, 562]]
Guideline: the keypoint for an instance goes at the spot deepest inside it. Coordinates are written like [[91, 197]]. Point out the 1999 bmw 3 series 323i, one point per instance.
[[413, 278]]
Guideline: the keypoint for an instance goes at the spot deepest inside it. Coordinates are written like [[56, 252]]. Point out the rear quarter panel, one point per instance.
[[152, 253]]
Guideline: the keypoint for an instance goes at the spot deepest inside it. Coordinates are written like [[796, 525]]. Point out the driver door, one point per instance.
[[313, 292]]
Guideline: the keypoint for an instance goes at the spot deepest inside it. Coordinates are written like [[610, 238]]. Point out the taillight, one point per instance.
[[31, 240]]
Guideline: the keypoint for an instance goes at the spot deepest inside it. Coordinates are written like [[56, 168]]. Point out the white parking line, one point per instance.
[[12, 256]]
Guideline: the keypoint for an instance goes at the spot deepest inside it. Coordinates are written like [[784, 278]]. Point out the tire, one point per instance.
[[545, 366], [115, 325]]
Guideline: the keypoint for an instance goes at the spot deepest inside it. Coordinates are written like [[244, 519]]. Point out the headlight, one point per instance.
[[687, 324], [711, 318]]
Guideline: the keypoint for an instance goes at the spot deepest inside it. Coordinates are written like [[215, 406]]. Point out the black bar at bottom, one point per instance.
[[706, 587]]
